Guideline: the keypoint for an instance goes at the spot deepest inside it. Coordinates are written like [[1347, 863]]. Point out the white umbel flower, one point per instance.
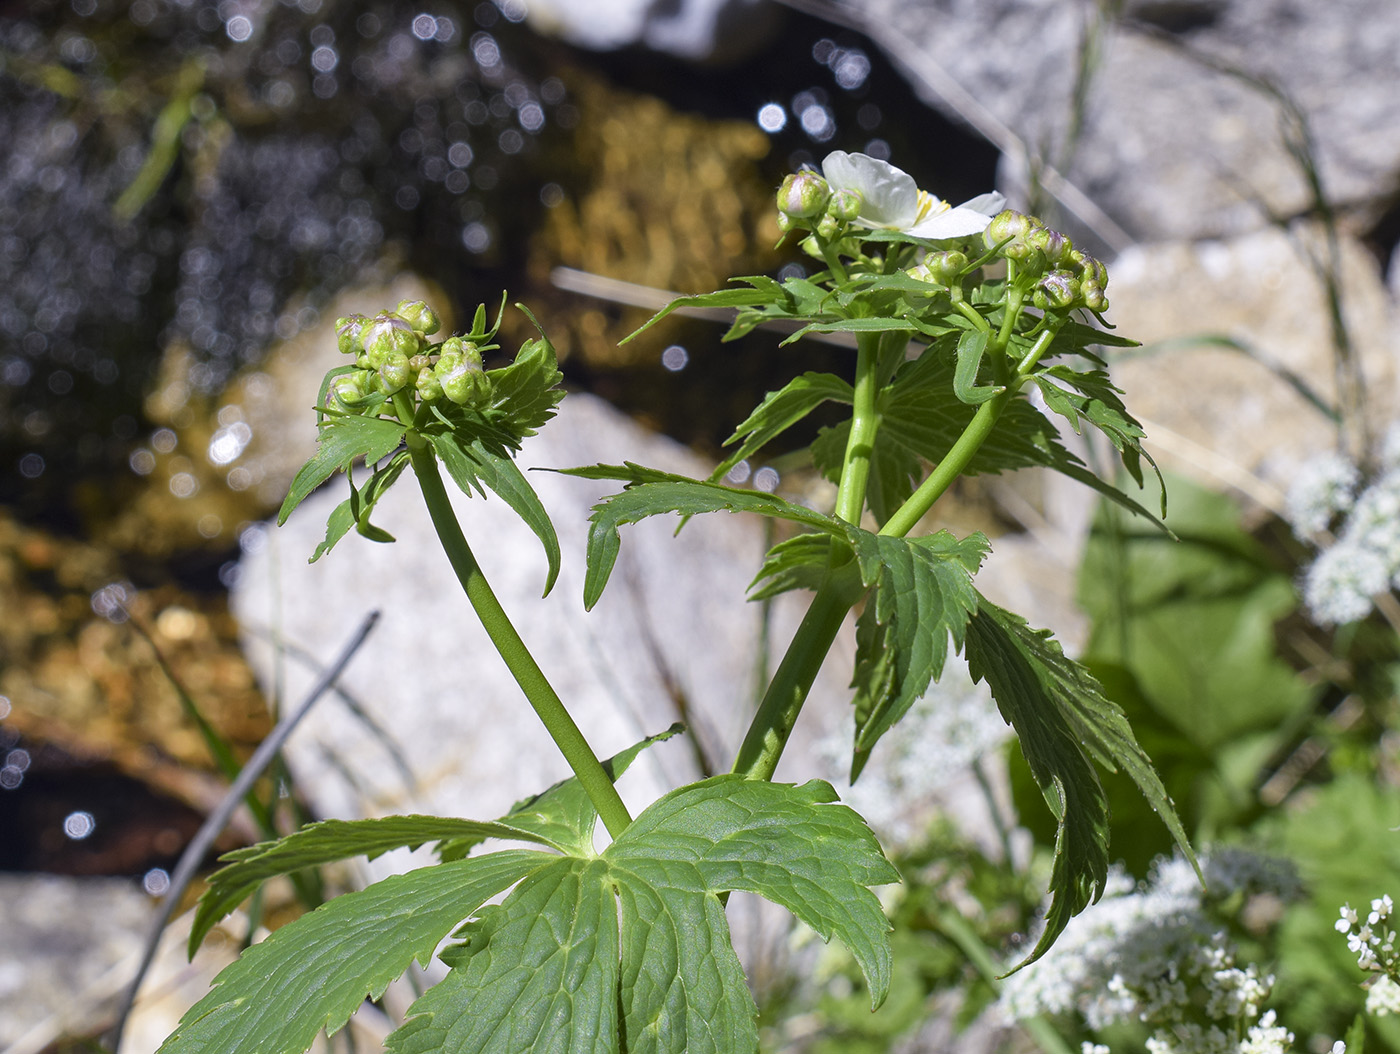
[[891, 200]]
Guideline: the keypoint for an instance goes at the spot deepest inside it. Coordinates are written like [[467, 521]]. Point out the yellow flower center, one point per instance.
[[928, 206]]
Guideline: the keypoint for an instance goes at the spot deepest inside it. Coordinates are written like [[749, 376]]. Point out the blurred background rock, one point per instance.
[[190, 191]]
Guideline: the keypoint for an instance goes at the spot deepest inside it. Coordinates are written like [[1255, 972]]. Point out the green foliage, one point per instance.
[[1064, 725], [627, 950], [922, 597]]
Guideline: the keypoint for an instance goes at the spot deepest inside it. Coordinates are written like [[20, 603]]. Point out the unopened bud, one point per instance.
[[460, 346], [348, 332], [394, 373], [844, 204], [829, 227], [350, 389], [1054, 245], [1092, 294], [1057, 291], [1007, 224], [386, 335], [418, 315], [803, 195], [428, 385], [945, 268], [464, 382]]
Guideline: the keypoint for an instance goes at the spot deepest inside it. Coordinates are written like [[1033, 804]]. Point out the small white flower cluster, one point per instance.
[[1154, 954], [1365, 559], [1373, 943], [950, 726]]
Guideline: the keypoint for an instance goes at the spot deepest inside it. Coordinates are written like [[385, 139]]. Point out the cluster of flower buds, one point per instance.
[[807, 201], [941, 268], [392, 352], [1067, 277]]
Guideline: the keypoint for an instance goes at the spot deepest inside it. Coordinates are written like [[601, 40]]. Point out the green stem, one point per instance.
[[967, 310], [777, 713], [951, 467], [1014, 296], [865, 422], [833, 261], [1038, 349], [527, 673]]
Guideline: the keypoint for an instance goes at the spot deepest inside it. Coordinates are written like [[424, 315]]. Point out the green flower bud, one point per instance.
[[349, 389], [459, 346], [1007, 224], [428, 385], [418, 362], [803, 195], [348, 332], [395, 372], [1092, 294], [464, 382], [945, 268], [787, 223], [829, 227], [1057, 291], [1054, 245], [386, 335], [844, 204], [418, 315]]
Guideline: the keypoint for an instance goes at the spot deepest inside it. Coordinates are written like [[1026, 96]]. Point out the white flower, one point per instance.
[[1322, 487], [1383, 997], [890, 199], [1339, 585]]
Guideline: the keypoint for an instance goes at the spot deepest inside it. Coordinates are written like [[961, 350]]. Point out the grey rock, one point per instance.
[[690, 29], [1186, 127]]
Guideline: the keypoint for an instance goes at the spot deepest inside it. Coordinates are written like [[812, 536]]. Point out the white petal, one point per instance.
[[989, 204], [960, 222], [889, 196]]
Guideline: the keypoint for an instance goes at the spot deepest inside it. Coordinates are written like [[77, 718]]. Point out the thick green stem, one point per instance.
[[777, 713], [527, 673], [865, 422]]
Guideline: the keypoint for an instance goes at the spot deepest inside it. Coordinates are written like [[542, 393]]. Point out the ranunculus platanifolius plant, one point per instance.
[[958, 314]]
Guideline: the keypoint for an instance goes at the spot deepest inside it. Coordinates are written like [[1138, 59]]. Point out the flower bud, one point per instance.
[[418, 315], [418, 362], [1006, 224], [945, 268], [1053, 244], [844, 204], [349, 389], [1092, 295], [464, 381], [1057, 291], [348, 332], [454, 346], [386, 335], [394, 372], [829, 227], [428, 385], [803, 195]]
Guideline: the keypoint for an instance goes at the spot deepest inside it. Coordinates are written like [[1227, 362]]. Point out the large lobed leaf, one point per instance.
[[922, 598], [631, 951], [779, 411], [1064, 724], [314, 972]]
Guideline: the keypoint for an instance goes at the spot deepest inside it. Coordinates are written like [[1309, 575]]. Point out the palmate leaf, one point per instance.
[[624, 951], [630, 951], [1064, 724], [922, 597], [355, 510], [341, 438], [314, 972], [325, 842], [651, 493]]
